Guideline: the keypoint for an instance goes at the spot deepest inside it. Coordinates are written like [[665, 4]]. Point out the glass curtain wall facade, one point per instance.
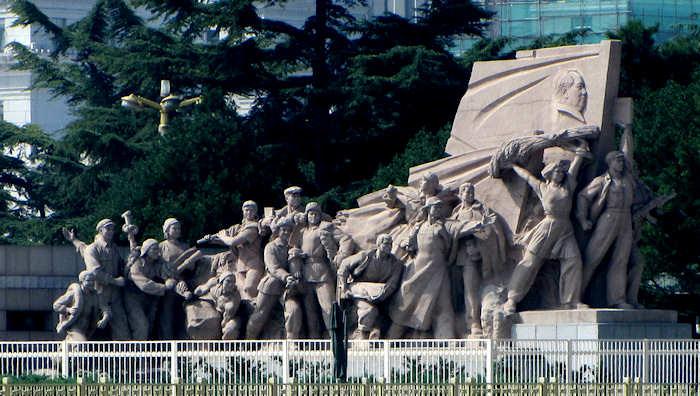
[[526, 20], [672, 16], [529, 19]]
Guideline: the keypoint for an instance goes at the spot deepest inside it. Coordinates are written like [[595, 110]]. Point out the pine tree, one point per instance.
[[335, 98]]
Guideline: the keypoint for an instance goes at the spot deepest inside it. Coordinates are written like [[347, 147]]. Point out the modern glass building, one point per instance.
[[672, 16], [530, 19], [526, 20]]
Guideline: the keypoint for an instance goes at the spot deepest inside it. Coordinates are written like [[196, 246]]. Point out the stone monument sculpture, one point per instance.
[[606, 203], [203, 319], [541, 92], [479, 218], [481, 257], [294, 205], [226, 299], [322, 245], [367, 222], [553, 237], [147, 283], [245, 242], [79, 309], [570, 99], [172, 250], [281, 283], [102, 258], [424, 301], [369, 278], [495, 323]]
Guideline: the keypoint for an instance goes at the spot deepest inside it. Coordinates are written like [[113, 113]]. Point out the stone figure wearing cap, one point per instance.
[[414, 212], [323, 246], [281, 284], [246, 244], [490, 242], [173, 252], [369, 278], [292, 197], [607, 202], [148, 282], [553, 237], [424, 299], [79, 309], [102, 258], [172, 247]]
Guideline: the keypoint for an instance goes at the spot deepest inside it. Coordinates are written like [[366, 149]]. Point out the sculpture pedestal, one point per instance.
[[599, 324]]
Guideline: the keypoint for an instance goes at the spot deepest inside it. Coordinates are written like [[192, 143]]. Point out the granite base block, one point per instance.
[[599, 324]]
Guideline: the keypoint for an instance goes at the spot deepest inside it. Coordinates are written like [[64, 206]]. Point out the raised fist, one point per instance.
[[68, 234]]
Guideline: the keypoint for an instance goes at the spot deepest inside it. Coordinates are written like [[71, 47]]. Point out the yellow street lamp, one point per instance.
[[168, 105]]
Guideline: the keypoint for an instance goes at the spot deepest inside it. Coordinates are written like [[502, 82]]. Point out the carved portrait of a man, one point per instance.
[[569, 100]]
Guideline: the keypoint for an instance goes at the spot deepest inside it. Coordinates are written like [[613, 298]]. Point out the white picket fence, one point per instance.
[[391, 361]]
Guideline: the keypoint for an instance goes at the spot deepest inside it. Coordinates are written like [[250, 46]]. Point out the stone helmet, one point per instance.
[[292, 190], [250, 204], [167, 223], [147, 245], [103, 223], [312, 206]]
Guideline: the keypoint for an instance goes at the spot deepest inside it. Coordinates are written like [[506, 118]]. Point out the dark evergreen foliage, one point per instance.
[[335, 98], [342, 107]]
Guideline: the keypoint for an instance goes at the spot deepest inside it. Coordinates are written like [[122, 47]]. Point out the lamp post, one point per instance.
[[168, 105]]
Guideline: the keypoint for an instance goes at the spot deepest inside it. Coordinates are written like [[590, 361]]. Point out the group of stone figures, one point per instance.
[[427, 253]]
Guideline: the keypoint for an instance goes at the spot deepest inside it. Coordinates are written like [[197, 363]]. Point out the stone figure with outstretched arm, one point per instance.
[[553, 237], [102, 258]]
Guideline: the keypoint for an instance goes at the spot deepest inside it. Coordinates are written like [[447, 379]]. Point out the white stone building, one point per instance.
[[19, 104]]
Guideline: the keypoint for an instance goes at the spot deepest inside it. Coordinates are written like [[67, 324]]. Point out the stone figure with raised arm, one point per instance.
[[79, 309], [364, 224], [490, 242], [424, 299], [147, 283], [323, 246], [606, 206], [369, 278], [294, 205], [245, 242], [553, 237], [281, 283], [102, 258]]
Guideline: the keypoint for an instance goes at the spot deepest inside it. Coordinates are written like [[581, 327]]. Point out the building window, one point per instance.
[[582, 22], [29, 321]]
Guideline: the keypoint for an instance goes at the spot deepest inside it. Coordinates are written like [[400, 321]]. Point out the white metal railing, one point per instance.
[[391, 361]]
